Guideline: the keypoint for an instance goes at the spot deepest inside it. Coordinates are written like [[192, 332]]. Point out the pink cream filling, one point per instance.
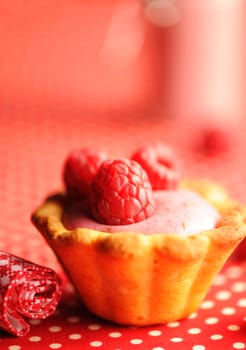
[[177, 211]]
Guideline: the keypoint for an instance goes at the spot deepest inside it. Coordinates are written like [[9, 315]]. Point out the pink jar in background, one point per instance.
[[204, 58]]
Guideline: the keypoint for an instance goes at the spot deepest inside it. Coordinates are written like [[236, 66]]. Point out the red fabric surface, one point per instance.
[[33, 144]]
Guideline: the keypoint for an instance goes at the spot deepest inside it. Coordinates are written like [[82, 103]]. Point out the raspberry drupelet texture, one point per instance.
[[160, 164], [80, 168], [121, 193]]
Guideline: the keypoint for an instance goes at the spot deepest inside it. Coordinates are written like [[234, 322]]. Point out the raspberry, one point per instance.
[[216, 140], [121, 193], [159, 162], [80, 168]]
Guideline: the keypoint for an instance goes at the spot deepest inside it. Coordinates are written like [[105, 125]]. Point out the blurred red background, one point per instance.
[[96, 54], [105, 55]]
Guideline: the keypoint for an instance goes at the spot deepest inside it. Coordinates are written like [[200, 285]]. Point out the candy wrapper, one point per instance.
[[27, 290]]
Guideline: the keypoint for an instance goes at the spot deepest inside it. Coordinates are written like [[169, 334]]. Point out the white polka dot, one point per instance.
[[54, 329], [198, 347], [14, 347], [55, 346], [223, 295], [158, 348], [216, 337], [155, 333], [69, 288], [96, 343], [34, 339], [219, 280], [239, 345], [207, 304], [34, 322], [227, 311], [194, 331], [238, 287], [192, 316], [176, 340], [73, 319], [94, 327], [242, 302], [136, 341], [75, 336], [234, 272], [233, 327], [115, 335], [173, 324], [211, 320]]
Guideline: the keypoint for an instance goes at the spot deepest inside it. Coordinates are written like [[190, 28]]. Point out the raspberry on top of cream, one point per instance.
[[177, 211], [160, 164], [121, 193], [134, 195]]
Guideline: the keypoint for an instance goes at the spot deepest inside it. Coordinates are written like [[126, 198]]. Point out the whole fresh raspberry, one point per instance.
[[216, 140], [80, 168], [160, 164], [121, 193]]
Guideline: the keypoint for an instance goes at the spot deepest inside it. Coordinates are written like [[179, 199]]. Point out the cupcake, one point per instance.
[[140, 244]]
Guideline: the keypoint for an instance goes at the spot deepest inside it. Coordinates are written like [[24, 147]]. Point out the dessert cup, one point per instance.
[[134, 279]]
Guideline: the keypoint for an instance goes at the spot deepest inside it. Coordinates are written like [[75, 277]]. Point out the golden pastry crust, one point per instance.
[[136, 279]]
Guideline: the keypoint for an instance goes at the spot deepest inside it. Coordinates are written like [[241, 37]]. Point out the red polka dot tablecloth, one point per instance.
[[33, 144]]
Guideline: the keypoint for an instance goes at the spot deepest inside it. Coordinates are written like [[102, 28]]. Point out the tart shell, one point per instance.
[[136, 279]]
